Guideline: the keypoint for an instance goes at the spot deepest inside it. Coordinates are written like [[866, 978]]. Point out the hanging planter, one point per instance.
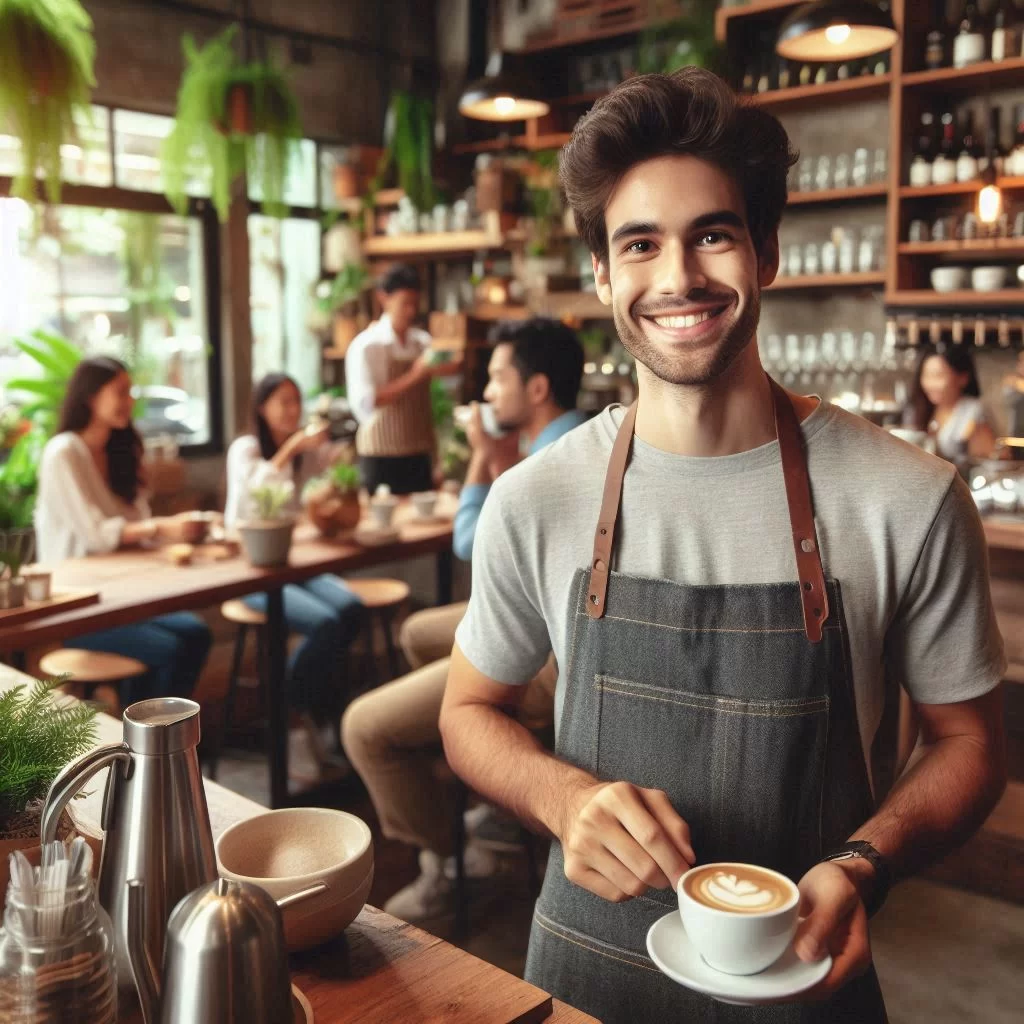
[[231, 117], [46, 75]]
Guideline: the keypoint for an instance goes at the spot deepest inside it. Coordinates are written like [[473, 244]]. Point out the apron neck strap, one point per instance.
[[814, 598]]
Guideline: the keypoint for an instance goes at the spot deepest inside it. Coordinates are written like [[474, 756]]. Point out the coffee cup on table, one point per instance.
[[740, 918], [382, 507]]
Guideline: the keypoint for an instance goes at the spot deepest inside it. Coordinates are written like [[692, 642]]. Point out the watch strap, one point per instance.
[[883, 875]]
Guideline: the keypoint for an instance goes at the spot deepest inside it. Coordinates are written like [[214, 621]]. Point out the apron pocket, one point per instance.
[[747, 775]]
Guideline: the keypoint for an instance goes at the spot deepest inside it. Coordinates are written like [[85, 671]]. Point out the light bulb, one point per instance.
[[990, 203], [504, 105], [837, 34]]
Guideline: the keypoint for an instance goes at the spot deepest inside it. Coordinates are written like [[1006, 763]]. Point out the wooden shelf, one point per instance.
[[998, 248], [968, 299], [491, 145], [438, 243], [384, 197], [489, 311], [955, 188], [866, 87], [547, 44], [571, 305], [822, 282], [990, 74], [726, 16], [838, 195]]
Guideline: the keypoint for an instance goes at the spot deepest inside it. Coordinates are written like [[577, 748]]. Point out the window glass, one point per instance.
[[85, 161], [137, 141], [114, 282], [300, 183]]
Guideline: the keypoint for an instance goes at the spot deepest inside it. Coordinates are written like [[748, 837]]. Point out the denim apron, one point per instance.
[[735, 700]]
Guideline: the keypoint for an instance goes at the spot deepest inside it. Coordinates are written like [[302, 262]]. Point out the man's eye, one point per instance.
[[715, 238], [640, 246]]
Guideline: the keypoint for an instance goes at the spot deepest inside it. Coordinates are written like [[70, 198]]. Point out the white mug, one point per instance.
[[382, 510], [739, 943], [487, 417]]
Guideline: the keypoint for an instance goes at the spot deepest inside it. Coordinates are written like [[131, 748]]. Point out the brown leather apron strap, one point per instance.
[[801, 514], [814, 598]]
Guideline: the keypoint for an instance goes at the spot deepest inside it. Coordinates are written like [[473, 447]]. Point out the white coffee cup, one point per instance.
[[743, 940], [488, 418], [425, 503], [382, 511]]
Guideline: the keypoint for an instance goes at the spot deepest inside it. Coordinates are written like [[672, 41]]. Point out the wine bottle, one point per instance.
[[936, 42], [995, 152], [944, 164], [785, 74], [924, 152], [969, 44], [1014, 166], [1004, 31], [967, 160]]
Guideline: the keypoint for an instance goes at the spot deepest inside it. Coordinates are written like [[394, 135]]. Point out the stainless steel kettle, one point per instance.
[[155, 819], [225, 960]]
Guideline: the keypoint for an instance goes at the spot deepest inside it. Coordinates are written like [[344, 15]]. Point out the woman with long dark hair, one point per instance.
[[322, 609], [92, 501], [946, 402]]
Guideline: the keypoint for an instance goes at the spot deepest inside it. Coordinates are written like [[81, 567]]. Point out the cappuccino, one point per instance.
[[739, 888]]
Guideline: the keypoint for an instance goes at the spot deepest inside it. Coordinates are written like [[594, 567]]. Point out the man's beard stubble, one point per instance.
[[680, 371]]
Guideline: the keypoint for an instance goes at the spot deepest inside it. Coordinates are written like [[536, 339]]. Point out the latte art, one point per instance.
[[739, 889]]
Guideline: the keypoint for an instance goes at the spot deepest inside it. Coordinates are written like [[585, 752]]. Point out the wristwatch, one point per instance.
[[883, 876]]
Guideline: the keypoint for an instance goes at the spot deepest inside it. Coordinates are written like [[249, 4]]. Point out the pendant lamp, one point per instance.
[[501, 95], [836, 30]]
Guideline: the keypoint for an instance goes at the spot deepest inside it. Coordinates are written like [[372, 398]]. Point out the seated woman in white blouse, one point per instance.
[[91, 501], [322, 609]]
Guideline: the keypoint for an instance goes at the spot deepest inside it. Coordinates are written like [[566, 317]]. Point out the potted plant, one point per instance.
[[231, 117], [341, 302], [332, 500], [409, 149], [16, 547], [39, 735], [46, 52], [267, 535]]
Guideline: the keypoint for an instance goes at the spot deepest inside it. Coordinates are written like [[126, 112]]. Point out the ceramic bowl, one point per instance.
[[988, 279], [425, 503], [295, 848], [949, 279]]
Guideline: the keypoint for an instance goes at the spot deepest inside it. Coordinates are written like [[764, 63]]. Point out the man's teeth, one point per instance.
[[683, 321]]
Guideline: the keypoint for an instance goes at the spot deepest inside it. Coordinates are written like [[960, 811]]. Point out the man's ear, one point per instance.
[[601, 277], [768, 260], [538, 389]]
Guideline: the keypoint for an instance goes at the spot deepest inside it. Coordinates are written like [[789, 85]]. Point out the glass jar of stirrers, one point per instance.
[[57, 961]]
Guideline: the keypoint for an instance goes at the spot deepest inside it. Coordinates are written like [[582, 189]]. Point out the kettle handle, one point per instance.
[[66, 785]]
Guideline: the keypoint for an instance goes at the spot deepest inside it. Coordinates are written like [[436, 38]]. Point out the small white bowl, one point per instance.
[[988, 279], [425, 503], [949, 279], [295, 848]]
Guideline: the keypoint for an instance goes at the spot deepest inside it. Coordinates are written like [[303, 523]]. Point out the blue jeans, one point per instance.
[[174, 647], [327, 614]]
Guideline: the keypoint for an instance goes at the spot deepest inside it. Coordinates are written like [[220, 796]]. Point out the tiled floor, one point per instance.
[[943, 956]]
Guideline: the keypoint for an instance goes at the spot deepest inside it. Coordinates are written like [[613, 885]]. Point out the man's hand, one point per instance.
[[836, 923], [494, 454], [619, 840]]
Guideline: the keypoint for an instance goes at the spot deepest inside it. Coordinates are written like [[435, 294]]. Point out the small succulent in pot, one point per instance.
[[267, 534], [332, 500]]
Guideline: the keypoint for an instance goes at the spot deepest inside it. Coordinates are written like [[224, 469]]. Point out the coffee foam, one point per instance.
[[738, 889]]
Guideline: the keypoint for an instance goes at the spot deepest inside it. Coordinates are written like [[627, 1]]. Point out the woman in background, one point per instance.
[[322, 609], [91, 501], [946, 402]]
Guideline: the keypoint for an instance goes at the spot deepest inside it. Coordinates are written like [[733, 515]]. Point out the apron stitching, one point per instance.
[[703, 707], [594, 949], [715, 699], [821, 794], [698, 629]]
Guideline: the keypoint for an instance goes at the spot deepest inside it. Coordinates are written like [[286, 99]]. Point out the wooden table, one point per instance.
[[382, 970], [138, 584]]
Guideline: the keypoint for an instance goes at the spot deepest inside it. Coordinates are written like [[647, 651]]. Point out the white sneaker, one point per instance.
[[477, 861], [428, 896]]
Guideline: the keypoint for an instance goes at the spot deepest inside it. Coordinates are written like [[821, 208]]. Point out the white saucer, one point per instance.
[[375, 536], [671, 950]]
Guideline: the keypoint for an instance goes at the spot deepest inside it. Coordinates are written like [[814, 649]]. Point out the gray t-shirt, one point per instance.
[[897, 528]]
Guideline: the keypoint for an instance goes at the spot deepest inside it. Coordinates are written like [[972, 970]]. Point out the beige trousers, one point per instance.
[[392, 738]]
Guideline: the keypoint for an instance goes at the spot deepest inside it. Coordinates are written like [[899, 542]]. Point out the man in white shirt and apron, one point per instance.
[[387, 378], [733, 580]]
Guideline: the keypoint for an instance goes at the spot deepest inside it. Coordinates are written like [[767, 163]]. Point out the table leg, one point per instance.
[[277, 639], [444, 577]]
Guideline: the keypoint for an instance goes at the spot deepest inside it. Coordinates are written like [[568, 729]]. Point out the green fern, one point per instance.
[[344, 477], [39, 735], [46, 75]]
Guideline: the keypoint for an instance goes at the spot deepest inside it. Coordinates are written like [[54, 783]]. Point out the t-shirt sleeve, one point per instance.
[[944, 644], [503, 633]]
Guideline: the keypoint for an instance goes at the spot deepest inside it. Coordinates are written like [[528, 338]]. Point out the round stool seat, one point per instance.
[[90, 666], [241, 613], [379, 593]]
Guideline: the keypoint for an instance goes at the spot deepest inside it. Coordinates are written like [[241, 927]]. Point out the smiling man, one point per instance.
[[734, 581]]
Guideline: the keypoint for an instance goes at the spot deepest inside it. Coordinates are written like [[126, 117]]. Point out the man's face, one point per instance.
[[681, 274], [506, 390], [401, 306]]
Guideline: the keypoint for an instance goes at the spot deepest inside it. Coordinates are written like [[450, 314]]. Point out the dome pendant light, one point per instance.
[[501, 95], [836, 30]]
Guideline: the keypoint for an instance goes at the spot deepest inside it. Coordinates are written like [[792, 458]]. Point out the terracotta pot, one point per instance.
[[238, 111], [346, 181], [29, 845], [333, 512]]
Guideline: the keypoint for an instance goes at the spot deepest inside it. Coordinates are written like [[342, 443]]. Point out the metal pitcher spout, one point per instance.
[[147, 981]]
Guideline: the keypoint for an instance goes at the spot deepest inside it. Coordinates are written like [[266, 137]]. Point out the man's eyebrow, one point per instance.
[[635, 227], [719, 217]]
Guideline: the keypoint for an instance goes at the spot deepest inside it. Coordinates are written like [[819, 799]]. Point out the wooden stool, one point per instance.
[[90, 670], [245, 618], [383, 597]]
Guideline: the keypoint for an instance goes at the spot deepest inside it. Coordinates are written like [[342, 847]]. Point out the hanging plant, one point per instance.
[[409, 148], [231, 117], [46, 75]]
